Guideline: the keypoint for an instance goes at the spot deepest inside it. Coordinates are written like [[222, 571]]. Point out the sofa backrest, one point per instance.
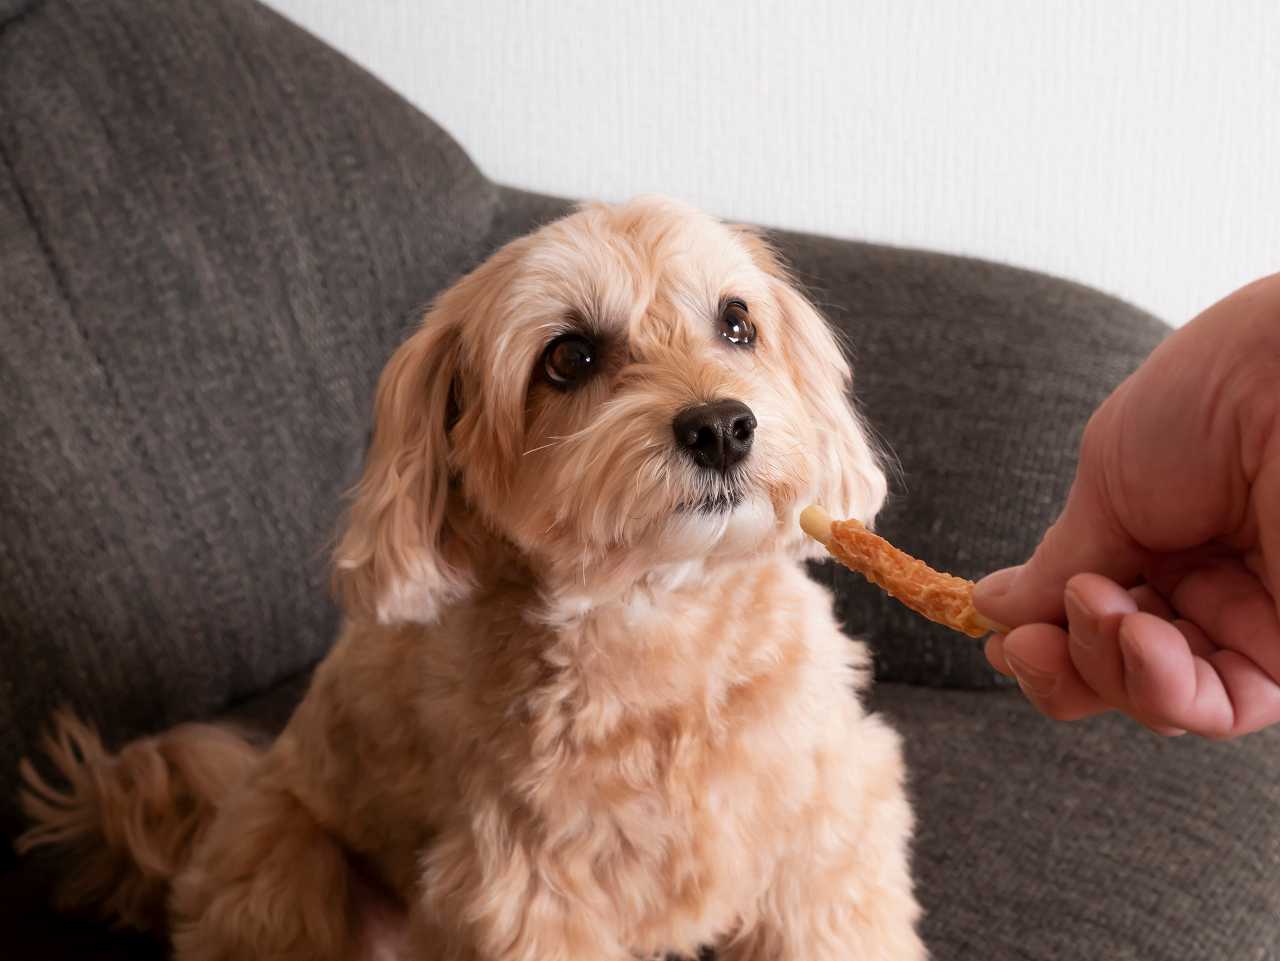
[[213, 231]]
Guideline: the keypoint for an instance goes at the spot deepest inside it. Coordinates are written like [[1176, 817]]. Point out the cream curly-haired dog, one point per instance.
[[586, 705]]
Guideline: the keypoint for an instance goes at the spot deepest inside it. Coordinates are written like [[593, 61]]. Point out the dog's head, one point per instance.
[[633, 391]]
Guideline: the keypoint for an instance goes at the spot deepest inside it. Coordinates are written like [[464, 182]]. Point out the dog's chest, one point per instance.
[[680, 744]]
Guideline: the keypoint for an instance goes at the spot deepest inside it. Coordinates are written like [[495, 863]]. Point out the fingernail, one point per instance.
[[995, 585], [1085, 622], [1033, 681]]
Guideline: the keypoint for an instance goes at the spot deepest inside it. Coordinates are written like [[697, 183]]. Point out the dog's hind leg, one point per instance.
[[271, 883]]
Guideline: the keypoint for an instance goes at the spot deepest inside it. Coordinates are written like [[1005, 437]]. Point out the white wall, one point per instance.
[[1130, 144]]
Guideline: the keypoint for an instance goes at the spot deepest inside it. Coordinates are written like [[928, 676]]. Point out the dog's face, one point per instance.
[[630, 392]]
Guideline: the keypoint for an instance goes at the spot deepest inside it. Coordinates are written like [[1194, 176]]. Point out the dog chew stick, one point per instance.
[[940, 597]]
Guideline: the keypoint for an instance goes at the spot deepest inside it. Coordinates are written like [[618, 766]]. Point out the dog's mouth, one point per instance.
[[720, 502]]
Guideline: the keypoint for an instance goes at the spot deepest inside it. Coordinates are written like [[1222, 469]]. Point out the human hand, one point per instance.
[[1164, 566]]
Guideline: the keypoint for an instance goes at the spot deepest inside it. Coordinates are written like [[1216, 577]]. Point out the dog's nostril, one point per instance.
[[717, 435]]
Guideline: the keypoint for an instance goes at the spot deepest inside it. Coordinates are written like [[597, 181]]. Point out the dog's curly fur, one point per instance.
[[586, 704]]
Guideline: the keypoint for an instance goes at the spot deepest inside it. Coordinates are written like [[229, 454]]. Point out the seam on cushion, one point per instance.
[[59, 276], [37, 228], [113, 415], [450, 155], [116, 413]]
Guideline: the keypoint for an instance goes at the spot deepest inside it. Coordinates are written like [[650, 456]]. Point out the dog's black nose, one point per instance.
[[716, 435]]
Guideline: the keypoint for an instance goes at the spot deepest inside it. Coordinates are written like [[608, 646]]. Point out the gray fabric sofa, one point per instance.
[[214, 230]]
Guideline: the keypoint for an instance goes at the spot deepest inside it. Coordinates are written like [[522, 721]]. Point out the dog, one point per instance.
[[586, 705]]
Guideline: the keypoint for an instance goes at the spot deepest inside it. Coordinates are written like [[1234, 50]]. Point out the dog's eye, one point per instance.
[[735, 325], [569, 360]]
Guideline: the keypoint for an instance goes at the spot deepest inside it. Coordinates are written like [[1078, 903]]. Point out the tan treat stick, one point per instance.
[[940, 597]]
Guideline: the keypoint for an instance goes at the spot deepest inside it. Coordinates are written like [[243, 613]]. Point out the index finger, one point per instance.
[[1233, 606]]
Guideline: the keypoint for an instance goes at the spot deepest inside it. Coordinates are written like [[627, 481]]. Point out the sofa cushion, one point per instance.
[[1041, 840], [215, 229]]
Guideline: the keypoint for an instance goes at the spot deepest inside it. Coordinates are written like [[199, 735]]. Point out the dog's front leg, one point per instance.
[[844, 890], [489, 898]]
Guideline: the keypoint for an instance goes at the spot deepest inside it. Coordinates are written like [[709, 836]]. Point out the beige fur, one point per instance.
[[567, 718]]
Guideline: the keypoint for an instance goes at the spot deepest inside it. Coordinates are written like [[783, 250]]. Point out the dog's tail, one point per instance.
[[128, 821]]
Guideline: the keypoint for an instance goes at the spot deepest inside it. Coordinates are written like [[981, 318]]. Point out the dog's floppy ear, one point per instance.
[[397, 559], [852, 482]]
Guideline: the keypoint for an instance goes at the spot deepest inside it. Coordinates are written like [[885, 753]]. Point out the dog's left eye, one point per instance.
[[569, 360], [735, 326]]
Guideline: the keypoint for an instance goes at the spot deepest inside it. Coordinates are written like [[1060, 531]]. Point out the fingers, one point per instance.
[[1036, 656], [1232, 607], [1148, 599], [1167, 675], [1095, 607], [1161, 677], [994, 649], [1253, 693], [1197, 639], [1081, 672], [1224, 695]]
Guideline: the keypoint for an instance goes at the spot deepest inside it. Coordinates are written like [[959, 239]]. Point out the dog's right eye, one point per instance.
[[569, 360], [735, 325]]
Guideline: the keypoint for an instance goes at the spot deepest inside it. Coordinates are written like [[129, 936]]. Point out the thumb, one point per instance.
[[1087, 537]]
